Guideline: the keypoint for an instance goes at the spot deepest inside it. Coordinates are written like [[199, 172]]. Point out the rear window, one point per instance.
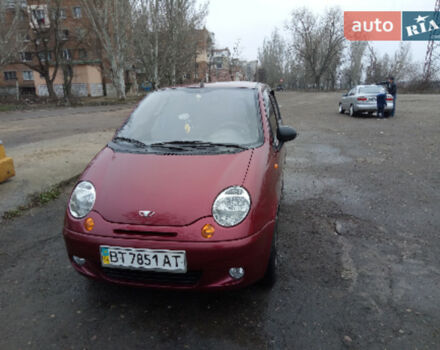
[[196, 114], [371, 90]]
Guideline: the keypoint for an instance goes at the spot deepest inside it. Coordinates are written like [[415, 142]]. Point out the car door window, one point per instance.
[[351, 93], [273, 116]]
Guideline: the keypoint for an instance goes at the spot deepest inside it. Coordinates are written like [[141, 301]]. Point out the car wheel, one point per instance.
[[352, 112], [270, 276], [341, 110], [386, 114]]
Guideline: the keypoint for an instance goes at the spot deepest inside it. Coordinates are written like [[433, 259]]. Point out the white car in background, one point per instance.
[[362, 99]]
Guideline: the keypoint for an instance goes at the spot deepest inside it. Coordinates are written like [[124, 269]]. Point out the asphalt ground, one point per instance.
[[51, 145], [358, 243]]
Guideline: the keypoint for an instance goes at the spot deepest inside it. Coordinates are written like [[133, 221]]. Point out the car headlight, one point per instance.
[[82, 199], [231, 206]]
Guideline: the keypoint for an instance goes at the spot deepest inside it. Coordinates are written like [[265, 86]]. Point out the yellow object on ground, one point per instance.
[[6, 165]]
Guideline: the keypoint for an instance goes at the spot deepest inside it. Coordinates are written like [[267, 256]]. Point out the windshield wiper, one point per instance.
[[130, 140], [197, 143]]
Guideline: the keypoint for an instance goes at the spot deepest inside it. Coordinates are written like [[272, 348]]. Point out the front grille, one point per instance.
[[150, 277], [146, 233]]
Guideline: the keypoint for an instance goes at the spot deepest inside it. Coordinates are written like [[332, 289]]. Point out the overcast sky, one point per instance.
[[253, 20]]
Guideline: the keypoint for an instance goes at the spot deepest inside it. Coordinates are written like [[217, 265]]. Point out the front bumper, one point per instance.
[[208, 263]]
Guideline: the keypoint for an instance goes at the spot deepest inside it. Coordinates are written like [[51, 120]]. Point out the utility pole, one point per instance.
[[432, 46]]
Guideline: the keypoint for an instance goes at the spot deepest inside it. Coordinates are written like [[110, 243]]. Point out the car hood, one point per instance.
[[179, 189]]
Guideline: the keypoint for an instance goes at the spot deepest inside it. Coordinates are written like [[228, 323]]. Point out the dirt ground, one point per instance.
[[359, 254]]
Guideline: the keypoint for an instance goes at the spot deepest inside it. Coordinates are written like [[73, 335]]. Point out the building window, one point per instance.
[[26, 56], [77, 12], [82, 53], [10, 75], [63, 14], [64, 34], [66, 54], [14, 3], [28, 75], [38, 16], [42, 56]]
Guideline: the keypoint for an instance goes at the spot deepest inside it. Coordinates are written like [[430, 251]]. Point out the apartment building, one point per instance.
[[214, 64], [75, 43]]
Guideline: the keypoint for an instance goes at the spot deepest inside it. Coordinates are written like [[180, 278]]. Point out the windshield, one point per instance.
[[194, 116], [371, 90]]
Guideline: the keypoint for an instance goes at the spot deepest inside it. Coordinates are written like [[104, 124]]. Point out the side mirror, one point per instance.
[[286, 133]]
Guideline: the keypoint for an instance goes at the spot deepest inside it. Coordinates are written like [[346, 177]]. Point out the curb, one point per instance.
[[32, 199]]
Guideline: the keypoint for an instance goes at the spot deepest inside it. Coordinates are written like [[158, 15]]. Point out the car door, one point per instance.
[[353, 96], [349, 98], [277, 151], [344, 100]]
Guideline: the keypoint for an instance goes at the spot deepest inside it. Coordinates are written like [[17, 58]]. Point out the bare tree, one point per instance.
[[147, 23], [352, 73], [11, 32], [374, 71], [235, 65], [295, 72], [166, 38], [46, 42], [317, 41], [182, 18], [400, 66], [111, 21], [272, 59]]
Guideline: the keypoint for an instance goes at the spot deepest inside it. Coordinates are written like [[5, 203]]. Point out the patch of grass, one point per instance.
[[7, 108], [11, 214], [42, 198], [108, 101], [42, 102]]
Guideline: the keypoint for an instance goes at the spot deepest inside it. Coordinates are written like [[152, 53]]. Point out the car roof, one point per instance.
[[226, 84], [361, 86], [234, 84]]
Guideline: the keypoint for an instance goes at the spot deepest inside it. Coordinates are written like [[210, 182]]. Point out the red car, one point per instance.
[[186, 195]]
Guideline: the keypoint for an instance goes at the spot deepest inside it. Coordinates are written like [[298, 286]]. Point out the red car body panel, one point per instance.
[[181, 189], [163, 184], [213, 258]]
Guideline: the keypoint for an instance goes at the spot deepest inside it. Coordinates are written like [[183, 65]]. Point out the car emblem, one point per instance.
[[146, 213]]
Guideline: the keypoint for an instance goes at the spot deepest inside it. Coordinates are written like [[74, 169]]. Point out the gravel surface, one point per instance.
[[359, 254]]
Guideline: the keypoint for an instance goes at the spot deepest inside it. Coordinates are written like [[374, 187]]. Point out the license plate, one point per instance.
[[144, 259]]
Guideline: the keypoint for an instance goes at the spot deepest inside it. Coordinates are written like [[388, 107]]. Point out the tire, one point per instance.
[[352, 111], [270, 277], [386, 114], [341, 110]]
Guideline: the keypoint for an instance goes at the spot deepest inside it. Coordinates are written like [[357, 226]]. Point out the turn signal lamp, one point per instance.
[[89, 224], [208, 231]]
